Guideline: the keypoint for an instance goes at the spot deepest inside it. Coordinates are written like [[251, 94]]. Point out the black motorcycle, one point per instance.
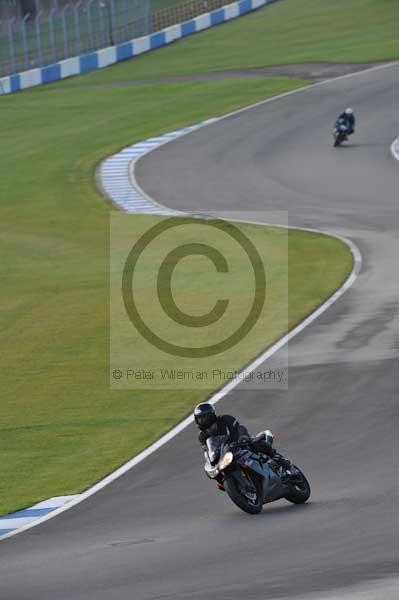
[[340, 132], [250, 478]]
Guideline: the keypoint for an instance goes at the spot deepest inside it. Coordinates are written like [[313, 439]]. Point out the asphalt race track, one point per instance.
[[162, 531]]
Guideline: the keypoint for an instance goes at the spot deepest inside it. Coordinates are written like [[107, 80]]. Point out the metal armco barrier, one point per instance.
[[59, 30], [117, 52]]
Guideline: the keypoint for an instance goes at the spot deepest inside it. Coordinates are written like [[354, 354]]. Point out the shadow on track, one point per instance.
[[283, 510]]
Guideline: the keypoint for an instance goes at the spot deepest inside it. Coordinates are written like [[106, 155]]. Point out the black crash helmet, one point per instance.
[[204, 415]]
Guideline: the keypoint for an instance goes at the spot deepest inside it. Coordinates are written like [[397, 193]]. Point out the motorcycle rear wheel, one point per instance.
[[250, 506]]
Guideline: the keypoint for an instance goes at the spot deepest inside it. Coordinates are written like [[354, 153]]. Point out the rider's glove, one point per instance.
[[281, 461], [243, 440]]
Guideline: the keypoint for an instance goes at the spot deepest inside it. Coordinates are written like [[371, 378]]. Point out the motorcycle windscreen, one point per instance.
[[214, 445]]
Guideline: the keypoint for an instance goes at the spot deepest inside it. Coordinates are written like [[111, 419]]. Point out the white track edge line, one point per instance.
[[394, 151], [357, 262]]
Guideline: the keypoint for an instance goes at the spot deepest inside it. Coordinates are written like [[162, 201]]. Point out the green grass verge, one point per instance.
[[197, 286], [62, 428], [289, 31]]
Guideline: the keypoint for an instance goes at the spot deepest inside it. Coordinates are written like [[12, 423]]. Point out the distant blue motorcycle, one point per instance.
[[251, 479], [340, 132]]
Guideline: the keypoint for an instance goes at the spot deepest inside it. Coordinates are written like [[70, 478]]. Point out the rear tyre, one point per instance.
[[299, 488], [246, 496]]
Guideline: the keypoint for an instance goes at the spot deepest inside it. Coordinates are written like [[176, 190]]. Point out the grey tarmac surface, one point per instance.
[[162, 531]]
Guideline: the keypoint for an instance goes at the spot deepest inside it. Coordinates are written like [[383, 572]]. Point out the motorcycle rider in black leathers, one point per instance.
[[211, 425], [349, 117]]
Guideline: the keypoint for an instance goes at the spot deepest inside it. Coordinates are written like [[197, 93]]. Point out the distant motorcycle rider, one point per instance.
[[349, 117], [211, 425]]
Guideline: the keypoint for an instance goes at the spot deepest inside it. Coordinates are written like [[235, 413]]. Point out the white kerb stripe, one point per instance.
[[55, 502]]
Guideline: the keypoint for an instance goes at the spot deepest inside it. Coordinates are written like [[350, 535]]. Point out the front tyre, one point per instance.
[[244, 494], [299, 487], [337, 139]]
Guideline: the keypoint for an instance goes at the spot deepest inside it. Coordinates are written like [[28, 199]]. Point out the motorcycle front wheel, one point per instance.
[[244, 494], [299, 488]]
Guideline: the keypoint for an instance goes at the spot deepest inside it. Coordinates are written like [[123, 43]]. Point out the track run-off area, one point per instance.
[[162, 531]]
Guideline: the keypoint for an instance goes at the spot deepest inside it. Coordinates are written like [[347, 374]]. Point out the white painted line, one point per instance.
[[395, 149], [357, 262]]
